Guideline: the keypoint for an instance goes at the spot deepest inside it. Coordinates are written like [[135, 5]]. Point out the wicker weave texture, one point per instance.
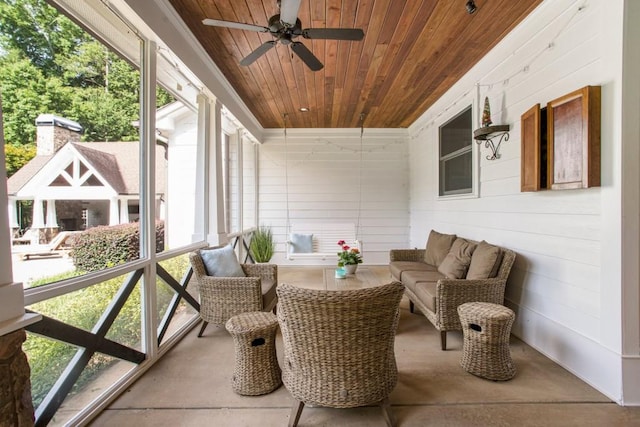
[[451, 293], [339, 345], [256, 368], [415, 255], [486, 328], [223, 297]]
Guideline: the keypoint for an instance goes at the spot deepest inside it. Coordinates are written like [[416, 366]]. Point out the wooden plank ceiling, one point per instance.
[[412, 53]]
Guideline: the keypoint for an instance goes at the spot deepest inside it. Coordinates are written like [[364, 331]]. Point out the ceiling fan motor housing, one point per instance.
[[282, 31]]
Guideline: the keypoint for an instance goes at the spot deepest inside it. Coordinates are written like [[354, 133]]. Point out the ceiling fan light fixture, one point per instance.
[[471, 7]]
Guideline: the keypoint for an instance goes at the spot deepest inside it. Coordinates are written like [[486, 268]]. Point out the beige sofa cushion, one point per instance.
[[485, 261], [411, 278], [397, 268], [426, 293], [457, 261], [438, 246]]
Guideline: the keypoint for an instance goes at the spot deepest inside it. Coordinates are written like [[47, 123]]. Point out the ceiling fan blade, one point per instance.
[[333, 33], [236, 25], [289, 11], [307, 56], [261, 50]]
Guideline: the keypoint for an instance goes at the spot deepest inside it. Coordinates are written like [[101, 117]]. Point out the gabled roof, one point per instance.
[[106, 163], [117, 162], [25, 173]]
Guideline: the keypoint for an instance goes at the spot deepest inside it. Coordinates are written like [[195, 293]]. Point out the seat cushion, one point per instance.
[[485, 261], [438, 246], [301, 243], [426, 292], [457, 261], [221, 262], [411, 278], [396, 268], [268, 288]]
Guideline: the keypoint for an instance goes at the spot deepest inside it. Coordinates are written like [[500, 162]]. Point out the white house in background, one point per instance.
[[77, 185]]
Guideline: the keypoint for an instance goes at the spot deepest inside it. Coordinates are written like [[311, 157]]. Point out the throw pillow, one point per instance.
[[485, 261], [301, 243], [438, 246], [221, 262], [456, 262]]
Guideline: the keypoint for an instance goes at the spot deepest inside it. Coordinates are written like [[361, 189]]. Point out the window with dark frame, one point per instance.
[[456, 155]]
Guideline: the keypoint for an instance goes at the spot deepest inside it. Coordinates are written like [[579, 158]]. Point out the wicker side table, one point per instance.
[[486, 328], [256, 366]]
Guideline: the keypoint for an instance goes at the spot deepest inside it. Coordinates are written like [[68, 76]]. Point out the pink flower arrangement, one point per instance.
[[348, 255]]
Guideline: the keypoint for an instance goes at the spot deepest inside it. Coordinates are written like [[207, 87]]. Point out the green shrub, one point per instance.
[[48, 358], [103, 247]]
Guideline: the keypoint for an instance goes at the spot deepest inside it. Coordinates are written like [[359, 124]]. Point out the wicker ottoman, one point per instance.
[[486, 328], [256, 367]]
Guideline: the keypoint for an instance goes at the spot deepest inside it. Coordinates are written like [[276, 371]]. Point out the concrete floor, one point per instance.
[[191, 386]]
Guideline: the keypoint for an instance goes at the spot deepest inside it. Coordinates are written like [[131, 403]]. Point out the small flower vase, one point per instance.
[[340, 273], [350, 268]]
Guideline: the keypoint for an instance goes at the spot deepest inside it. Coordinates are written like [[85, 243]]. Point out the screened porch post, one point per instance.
[[203, 171], [217, 227]]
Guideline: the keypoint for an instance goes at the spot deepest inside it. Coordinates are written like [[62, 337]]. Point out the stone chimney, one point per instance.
[[53, 132]]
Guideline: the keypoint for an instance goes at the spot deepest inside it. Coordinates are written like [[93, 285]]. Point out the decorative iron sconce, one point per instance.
[[488, 132]]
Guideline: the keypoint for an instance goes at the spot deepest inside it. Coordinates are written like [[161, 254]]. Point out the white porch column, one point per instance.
[[201, 210], [217, 227], [124, 211], [13, 213], [114, 217], [52, 217], [12, 315], [38, 214]]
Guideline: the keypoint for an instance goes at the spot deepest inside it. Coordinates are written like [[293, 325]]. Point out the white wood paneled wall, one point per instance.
[[323, 172], [566, 282]]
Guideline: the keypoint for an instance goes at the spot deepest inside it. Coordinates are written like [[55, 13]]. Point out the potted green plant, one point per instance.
[[262, 245]]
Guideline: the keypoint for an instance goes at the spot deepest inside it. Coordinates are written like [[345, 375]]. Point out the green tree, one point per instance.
[[50, 65], [26, 93], [17, 156], [40, 32]]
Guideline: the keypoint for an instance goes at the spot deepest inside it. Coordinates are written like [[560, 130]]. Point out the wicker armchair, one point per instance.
[[224, 297], [338, 346]]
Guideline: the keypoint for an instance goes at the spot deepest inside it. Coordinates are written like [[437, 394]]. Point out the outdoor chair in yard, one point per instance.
[[339, 346], [228, 288]]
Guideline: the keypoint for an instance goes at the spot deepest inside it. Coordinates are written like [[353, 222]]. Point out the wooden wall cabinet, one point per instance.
[[573, 134], [533, 149], [560, 147]]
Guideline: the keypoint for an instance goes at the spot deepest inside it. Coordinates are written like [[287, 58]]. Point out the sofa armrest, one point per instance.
[[451, 293], [264, 271], [407, 255]]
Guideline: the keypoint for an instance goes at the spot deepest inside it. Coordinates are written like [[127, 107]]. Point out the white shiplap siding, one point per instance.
[[325, 174], [563, 285]]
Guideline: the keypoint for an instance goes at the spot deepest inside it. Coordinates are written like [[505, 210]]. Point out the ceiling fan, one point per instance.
[[285, 27]]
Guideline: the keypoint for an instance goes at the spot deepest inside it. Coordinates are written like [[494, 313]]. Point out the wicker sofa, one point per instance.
[[449, 272]]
